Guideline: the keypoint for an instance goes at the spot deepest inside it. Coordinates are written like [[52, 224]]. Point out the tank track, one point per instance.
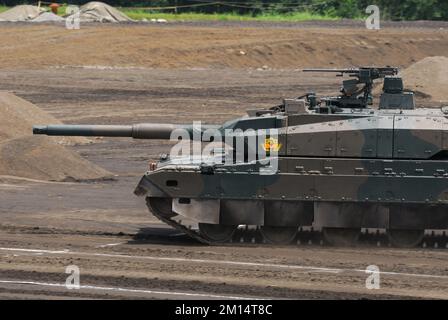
[[180, 227], [305, 237]]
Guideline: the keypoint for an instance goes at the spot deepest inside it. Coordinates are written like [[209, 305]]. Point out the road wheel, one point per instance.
[[161, 206], [405, 238], [217, 232], [341, 237], [278, 235]]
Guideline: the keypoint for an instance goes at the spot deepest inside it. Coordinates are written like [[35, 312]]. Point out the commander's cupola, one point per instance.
[[394, 96]]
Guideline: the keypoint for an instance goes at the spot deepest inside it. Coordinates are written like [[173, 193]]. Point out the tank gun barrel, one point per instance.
[[161, 131], [331, 70], [362, 72]]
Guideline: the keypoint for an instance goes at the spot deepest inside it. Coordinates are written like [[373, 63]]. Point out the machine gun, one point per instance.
[[353, 96]]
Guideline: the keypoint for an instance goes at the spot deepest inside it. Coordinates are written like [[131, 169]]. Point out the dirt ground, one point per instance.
[[180, 74], [184, 46]]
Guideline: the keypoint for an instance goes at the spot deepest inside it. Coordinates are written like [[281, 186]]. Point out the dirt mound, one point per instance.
[[101, 12], [42, 159], [428, 78], [48, 17], [18, 117], [20, 13]]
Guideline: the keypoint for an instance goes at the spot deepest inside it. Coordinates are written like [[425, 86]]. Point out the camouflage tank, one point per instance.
[[341, 165]]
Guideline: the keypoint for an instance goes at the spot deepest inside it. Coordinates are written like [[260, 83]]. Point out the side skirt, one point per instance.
[[317, 214]]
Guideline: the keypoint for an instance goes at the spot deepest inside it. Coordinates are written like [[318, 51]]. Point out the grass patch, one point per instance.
[[139, 14], [3, 8], [61, 10]]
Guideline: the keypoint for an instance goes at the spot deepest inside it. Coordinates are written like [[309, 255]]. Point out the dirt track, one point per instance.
[[107, 231]]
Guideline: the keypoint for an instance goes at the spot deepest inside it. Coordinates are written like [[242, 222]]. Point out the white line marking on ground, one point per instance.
[[224, 262], [35, 250], [173, 293], [109, 245], [10, 186]]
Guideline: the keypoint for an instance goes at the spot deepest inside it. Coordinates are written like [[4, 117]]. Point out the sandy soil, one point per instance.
[[108, 233], [430, 77], [251, 46], [27, 156]]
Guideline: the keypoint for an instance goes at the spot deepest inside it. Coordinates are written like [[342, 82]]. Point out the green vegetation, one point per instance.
[[350, 9], [139, 14], [62, 10], [272, 10], [3, 8]]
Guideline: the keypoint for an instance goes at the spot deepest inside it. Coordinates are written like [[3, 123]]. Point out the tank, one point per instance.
[[338, 164]]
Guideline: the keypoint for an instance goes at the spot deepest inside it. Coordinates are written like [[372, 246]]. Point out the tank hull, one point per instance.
[[318, 192]]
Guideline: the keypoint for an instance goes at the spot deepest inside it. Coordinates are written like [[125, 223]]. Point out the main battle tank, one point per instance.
[[336, 164]]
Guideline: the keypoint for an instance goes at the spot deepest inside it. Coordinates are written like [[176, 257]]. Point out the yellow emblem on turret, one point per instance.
[[271, 144]]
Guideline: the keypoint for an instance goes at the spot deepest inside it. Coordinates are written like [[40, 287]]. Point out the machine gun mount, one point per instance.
[[355, 93]]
